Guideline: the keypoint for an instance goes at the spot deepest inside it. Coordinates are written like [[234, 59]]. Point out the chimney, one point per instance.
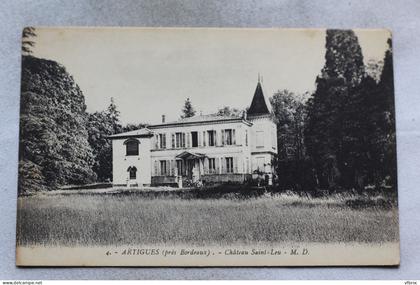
[[163, 118]]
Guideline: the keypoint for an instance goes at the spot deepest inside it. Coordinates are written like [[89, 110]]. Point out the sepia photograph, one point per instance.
[[207, 147]]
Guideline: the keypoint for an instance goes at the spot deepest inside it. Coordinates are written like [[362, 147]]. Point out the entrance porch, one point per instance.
[[193, 163]]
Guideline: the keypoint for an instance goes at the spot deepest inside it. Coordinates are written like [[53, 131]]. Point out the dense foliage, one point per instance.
[[289, 116], [54, 148], [100, 126], [60, 143], [229, 112], [350, 126]]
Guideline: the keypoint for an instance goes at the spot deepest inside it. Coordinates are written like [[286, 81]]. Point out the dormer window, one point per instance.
[[132, 147]]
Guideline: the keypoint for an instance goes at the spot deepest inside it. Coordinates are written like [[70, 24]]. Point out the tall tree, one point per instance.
[[374, 149], [188, 110], [343, 57], [289, 118], [289, 115], [100, 126], [114, 116], [386, 105], [330, 132], [53, 146]]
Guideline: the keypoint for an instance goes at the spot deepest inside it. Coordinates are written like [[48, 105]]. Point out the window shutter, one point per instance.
[[233, 137], [204, 138], [183, 139], [173, 167], [235, 164], [223, 165], [223, 137], [239, 138], [199, 138], [206, 165], [156, 168], [173, 140], [187, 138], [168, 168], [164, 140], [215, 137]]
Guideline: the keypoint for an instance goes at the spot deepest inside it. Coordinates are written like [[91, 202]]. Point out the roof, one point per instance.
[[212, 118], [259, 105], [144, 132]]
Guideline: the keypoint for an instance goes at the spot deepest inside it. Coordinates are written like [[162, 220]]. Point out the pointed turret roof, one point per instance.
[[259, 105]]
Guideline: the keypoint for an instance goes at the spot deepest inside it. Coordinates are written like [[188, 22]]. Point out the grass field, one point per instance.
[[133, 219]]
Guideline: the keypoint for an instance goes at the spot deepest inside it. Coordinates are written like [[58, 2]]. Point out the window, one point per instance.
[[163, 167], [194, 139], [211, 138], [180, 167], [229, 164], [132, 147], [228, 137], [212, 165], [180, 140], [162, 140], [260, 138], [132, 170]]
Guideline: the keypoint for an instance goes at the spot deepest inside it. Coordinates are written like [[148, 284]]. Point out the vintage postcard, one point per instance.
[[207, 147]]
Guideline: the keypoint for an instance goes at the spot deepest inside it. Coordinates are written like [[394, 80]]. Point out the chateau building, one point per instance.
[[202, 149]]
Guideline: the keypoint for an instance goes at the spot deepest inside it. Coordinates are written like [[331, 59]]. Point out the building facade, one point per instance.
[[208, 149]]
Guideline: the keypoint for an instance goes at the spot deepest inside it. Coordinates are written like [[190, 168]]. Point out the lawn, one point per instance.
[[133, 219]]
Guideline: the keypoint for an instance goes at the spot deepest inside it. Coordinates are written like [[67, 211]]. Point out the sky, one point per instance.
[[150, 72]]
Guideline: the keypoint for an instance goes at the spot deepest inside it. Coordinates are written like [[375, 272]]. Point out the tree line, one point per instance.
[[343, 136]]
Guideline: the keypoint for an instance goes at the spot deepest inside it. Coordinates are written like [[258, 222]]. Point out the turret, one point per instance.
[[259, 105]]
